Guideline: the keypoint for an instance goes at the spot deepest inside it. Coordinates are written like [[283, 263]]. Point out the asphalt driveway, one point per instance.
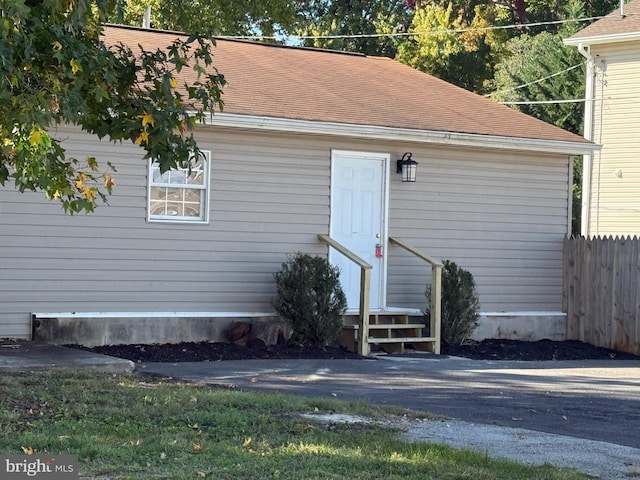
[[581, 415], [595, 400]]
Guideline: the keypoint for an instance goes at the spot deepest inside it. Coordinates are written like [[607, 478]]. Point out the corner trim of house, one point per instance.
[[400, 134], [587, 160]]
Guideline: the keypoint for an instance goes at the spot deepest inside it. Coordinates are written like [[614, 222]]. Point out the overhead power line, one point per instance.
[[406, 34], [287, 38], [605, 100], [543, 102], [536, 81]]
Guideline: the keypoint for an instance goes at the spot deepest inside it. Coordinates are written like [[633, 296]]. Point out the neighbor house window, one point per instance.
[[180, 194]]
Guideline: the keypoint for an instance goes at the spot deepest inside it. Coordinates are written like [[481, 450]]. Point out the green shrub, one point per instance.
[[309, 296], [459, 304]]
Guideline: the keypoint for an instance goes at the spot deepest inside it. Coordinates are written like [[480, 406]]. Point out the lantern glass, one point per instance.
[[409, 171]]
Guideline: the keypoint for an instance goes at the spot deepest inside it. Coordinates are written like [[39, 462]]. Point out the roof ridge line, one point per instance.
[[242, 40]]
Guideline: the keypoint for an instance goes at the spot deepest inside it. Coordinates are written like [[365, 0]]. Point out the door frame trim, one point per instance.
[[386, 162]]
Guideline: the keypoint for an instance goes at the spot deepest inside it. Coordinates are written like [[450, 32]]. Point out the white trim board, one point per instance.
[[373, 132], [600, 39]]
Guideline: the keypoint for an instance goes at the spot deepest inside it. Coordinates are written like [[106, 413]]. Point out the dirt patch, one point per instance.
[[485, 350]]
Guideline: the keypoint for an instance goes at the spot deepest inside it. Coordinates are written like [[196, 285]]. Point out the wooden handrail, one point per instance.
[[436, 291], [365, 289], [345, 251], [415, 251]]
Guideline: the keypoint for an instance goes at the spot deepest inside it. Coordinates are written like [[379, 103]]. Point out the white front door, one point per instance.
[[358, 213]]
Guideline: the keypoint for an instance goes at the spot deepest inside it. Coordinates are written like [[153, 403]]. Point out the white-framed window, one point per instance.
[[180, 194]]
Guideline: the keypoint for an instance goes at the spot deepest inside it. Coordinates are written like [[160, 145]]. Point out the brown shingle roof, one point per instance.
[[323, 86], [614, 23]]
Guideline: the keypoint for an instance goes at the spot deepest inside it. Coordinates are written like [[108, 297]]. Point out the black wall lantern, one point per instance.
[[407, 167]]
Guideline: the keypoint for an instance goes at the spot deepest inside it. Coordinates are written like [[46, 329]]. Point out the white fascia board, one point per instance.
[[399, 134], [599, 39]]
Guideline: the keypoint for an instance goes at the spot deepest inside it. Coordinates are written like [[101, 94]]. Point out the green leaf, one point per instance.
[[93, 163], [89, 85]]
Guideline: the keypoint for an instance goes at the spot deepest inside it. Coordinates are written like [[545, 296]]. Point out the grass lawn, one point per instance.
[[130, 427]]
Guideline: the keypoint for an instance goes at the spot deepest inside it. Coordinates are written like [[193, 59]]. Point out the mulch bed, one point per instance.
[[485, 350], [494, 349], [206, 351]]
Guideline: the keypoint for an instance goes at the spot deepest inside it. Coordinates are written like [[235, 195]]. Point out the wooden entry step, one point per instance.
[[382, 317], [397, 345], [391, 330]]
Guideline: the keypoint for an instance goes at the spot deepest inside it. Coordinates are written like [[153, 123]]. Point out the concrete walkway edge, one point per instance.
[[33, 356]]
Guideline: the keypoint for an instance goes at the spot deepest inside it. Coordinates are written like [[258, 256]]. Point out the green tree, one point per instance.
[[56, 69], [354, 17], [540, 68], [552, 10], [449, 47], [214, 17], [532, 11], [455, 52]]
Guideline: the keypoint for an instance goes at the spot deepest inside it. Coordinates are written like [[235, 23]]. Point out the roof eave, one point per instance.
[[373, 132], [600, 39]]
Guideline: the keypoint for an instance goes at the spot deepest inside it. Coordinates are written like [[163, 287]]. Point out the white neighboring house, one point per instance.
[[611, 177]]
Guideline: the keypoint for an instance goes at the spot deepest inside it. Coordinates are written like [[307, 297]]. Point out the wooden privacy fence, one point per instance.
[[602, 291]]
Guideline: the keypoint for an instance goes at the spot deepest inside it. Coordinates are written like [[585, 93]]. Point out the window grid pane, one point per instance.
[[178, 194]]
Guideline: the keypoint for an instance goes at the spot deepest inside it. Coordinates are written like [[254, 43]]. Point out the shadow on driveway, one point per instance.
[[595, 400]]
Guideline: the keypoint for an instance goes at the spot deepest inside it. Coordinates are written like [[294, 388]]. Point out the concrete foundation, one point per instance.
[[100, 329], [528, 326]]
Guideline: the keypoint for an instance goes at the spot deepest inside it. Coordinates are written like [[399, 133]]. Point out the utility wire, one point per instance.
[[286, 38], [405, 34], [543, 102], [605, 100], [536, 81]]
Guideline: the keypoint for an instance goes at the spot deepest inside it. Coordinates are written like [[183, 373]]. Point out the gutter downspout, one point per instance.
[[587, 160]]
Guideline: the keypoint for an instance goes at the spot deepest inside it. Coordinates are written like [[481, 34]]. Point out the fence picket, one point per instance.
[[602, 291]]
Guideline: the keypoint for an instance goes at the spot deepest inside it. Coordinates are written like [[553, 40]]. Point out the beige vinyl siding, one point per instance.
[[501, 215], [263, 205], [615, 200]]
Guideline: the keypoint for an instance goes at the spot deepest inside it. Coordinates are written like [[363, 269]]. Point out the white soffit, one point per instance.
[[400, 134]]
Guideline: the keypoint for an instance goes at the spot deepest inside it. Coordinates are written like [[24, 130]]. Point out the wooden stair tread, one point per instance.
[[388, 312], [401, 339], [383, 326], [390, 330]]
